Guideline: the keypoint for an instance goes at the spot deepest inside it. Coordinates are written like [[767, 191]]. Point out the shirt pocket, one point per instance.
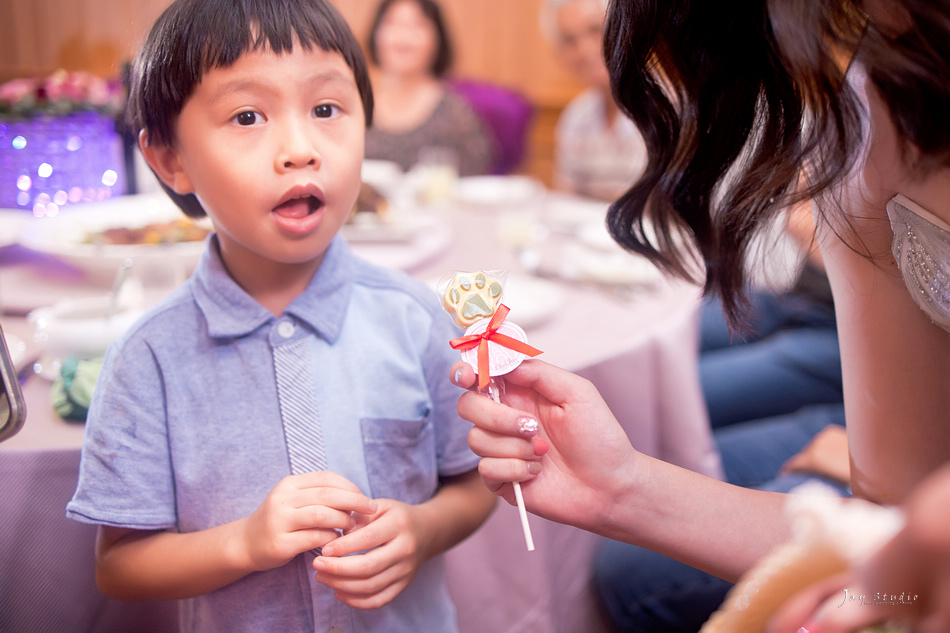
[[400, 458]]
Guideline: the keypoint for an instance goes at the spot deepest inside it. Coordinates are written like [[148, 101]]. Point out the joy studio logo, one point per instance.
[[878, 599]]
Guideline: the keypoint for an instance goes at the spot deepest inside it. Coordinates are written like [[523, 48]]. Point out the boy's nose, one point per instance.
[[298, 150]]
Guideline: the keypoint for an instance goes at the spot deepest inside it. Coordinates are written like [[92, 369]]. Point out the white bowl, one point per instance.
[[80, 327]]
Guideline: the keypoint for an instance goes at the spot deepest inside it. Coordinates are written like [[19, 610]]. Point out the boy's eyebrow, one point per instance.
[[328, 76]]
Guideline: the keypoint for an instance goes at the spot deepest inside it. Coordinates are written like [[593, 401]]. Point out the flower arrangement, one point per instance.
[[61, 93]]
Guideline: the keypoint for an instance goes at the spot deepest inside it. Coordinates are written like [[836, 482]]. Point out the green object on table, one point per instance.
[[72, 390]]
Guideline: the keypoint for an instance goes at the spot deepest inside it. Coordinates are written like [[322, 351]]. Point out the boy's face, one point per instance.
[[272, 146]]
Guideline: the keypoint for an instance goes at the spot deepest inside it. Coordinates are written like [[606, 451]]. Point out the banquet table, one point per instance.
[[636, 343]]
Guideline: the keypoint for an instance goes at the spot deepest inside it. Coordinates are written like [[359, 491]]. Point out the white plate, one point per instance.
[[531, 300], [615, 266], [16, 346], [65, 235], [385, 229], [596, 236], [568, 211], [487, 190], [433, 238]]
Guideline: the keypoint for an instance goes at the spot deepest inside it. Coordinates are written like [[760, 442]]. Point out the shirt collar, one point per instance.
[[230, 312]]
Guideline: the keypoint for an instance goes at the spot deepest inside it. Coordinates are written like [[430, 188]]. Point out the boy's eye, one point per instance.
[[246, 118], [324, 111]]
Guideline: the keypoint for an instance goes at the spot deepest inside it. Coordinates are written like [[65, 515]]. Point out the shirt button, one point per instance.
[[285, 329]]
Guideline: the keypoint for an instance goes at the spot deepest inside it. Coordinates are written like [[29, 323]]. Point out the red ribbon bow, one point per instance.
[[491, 334]]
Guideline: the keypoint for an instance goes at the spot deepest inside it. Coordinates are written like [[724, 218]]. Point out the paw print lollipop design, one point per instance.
[[470, 297], [492, 345]]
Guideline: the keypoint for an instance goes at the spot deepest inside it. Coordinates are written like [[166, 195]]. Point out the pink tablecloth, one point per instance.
[[638, 350]]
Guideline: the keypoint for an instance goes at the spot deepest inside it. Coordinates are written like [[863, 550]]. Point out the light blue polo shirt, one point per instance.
[[184, 430]]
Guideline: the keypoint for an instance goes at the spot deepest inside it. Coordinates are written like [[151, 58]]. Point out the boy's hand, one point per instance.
[[301, 513], [393, 535]]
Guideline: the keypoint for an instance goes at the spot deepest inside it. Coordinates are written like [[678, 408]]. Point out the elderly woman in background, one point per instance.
[[598, 150], [416, 113]]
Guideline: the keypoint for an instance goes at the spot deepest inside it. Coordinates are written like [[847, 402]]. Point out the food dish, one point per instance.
[[68, 235], [497, 190]]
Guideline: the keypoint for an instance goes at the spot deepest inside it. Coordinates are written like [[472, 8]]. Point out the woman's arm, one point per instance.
[[895, 361]]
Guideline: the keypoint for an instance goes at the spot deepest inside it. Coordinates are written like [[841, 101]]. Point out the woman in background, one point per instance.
[[416, 113], [598, 150]]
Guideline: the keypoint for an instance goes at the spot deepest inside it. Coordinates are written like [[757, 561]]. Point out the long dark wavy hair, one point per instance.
[[755, 89]]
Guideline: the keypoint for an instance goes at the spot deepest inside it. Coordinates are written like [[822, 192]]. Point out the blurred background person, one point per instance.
[[417, 116], [788, 357], [598, 150]]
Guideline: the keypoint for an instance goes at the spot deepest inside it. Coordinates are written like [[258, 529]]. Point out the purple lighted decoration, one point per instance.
[[48, 162]]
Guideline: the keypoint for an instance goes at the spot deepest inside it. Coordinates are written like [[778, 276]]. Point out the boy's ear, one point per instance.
[[165, 163]]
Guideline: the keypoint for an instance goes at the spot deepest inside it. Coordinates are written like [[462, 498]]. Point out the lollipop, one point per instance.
[[491, 345], [470, 297]]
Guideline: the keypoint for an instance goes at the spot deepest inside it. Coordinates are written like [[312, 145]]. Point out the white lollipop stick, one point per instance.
[[494, 394]]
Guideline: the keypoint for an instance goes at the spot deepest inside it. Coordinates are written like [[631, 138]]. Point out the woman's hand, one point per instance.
[[301, 513], [907, 581], [555, 435]]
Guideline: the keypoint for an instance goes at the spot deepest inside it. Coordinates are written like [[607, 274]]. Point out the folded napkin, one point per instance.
[[72, 389]]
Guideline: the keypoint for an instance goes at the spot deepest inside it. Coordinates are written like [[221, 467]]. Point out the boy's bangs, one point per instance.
[[273, 25]]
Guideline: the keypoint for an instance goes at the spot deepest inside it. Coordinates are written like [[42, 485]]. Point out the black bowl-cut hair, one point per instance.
[[194, 36]]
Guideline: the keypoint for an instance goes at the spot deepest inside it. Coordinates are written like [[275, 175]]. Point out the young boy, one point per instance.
[[195, 465]]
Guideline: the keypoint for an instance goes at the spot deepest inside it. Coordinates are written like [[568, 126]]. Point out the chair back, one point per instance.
[[506, 112]]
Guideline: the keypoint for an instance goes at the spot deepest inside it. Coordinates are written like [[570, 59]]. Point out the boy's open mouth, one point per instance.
[[299, 207]]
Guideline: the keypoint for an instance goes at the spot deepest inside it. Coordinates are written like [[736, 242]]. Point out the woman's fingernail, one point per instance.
[[458, 375], [540, 447], [534, 468], [527, 426]]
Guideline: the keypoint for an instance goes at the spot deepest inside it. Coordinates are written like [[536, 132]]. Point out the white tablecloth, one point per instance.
[[639, 350]]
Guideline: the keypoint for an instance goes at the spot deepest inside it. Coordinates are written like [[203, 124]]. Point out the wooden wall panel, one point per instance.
[[495, 40]]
